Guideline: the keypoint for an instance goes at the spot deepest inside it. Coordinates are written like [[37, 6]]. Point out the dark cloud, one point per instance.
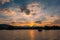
[[38, 22], [27, 11], [57, 21]]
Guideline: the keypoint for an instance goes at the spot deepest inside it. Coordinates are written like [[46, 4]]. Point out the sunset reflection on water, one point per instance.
[[29, 35]]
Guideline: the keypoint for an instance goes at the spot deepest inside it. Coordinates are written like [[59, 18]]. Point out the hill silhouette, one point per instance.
[[10, 27]]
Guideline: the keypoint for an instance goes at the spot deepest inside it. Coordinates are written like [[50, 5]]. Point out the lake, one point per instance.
[[29, 35]]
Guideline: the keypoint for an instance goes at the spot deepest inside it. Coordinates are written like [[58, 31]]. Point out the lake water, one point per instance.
[[29, 35]]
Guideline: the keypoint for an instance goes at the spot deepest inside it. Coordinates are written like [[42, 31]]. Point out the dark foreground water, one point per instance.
[[29, 35]]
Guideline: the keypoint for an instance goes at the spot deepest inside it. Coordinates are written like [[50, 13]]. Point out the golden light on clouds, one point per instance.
[[10, 13], [31, 24], [22, 19]]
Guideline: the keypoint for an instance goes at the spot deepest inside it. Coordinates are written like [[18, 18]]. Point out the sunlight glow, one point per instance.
[[32, 34]]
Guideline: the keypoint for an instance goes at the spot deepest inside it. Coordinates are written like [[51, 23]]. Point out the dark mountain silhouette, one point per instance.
[[10, 27], [5, 26]]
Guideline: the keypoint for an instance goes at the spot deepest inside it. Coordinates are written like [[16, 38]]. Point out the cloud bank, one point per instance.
[[30, 11]]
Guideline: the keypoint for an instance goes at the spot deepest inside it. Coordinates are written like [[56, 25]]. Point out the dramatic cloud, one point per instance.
[[30, 11]]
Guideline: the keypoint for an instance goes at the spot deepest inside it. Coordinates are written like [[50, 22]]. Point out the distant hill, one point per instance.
[[5, 26], [10, 27]]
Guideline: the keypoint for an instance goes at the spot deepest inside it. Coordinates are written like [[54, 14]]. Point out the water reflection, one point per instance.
[[29, 35]]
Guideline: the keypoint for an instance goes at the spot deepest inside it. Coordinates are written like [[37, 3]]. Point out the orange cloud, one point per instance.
[[21, 19], [3, 1]]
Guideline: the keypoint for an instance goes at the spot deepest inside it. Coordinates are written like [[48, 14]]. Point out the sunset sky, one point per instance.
[[30, 12]]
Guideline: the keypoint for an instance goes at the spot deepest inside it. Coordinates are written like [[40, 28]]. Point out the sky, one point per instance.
[[30, 12]]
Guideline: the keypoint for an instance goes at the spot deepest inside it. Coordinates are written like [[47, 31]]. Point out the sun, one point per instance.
[[31, 24]]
